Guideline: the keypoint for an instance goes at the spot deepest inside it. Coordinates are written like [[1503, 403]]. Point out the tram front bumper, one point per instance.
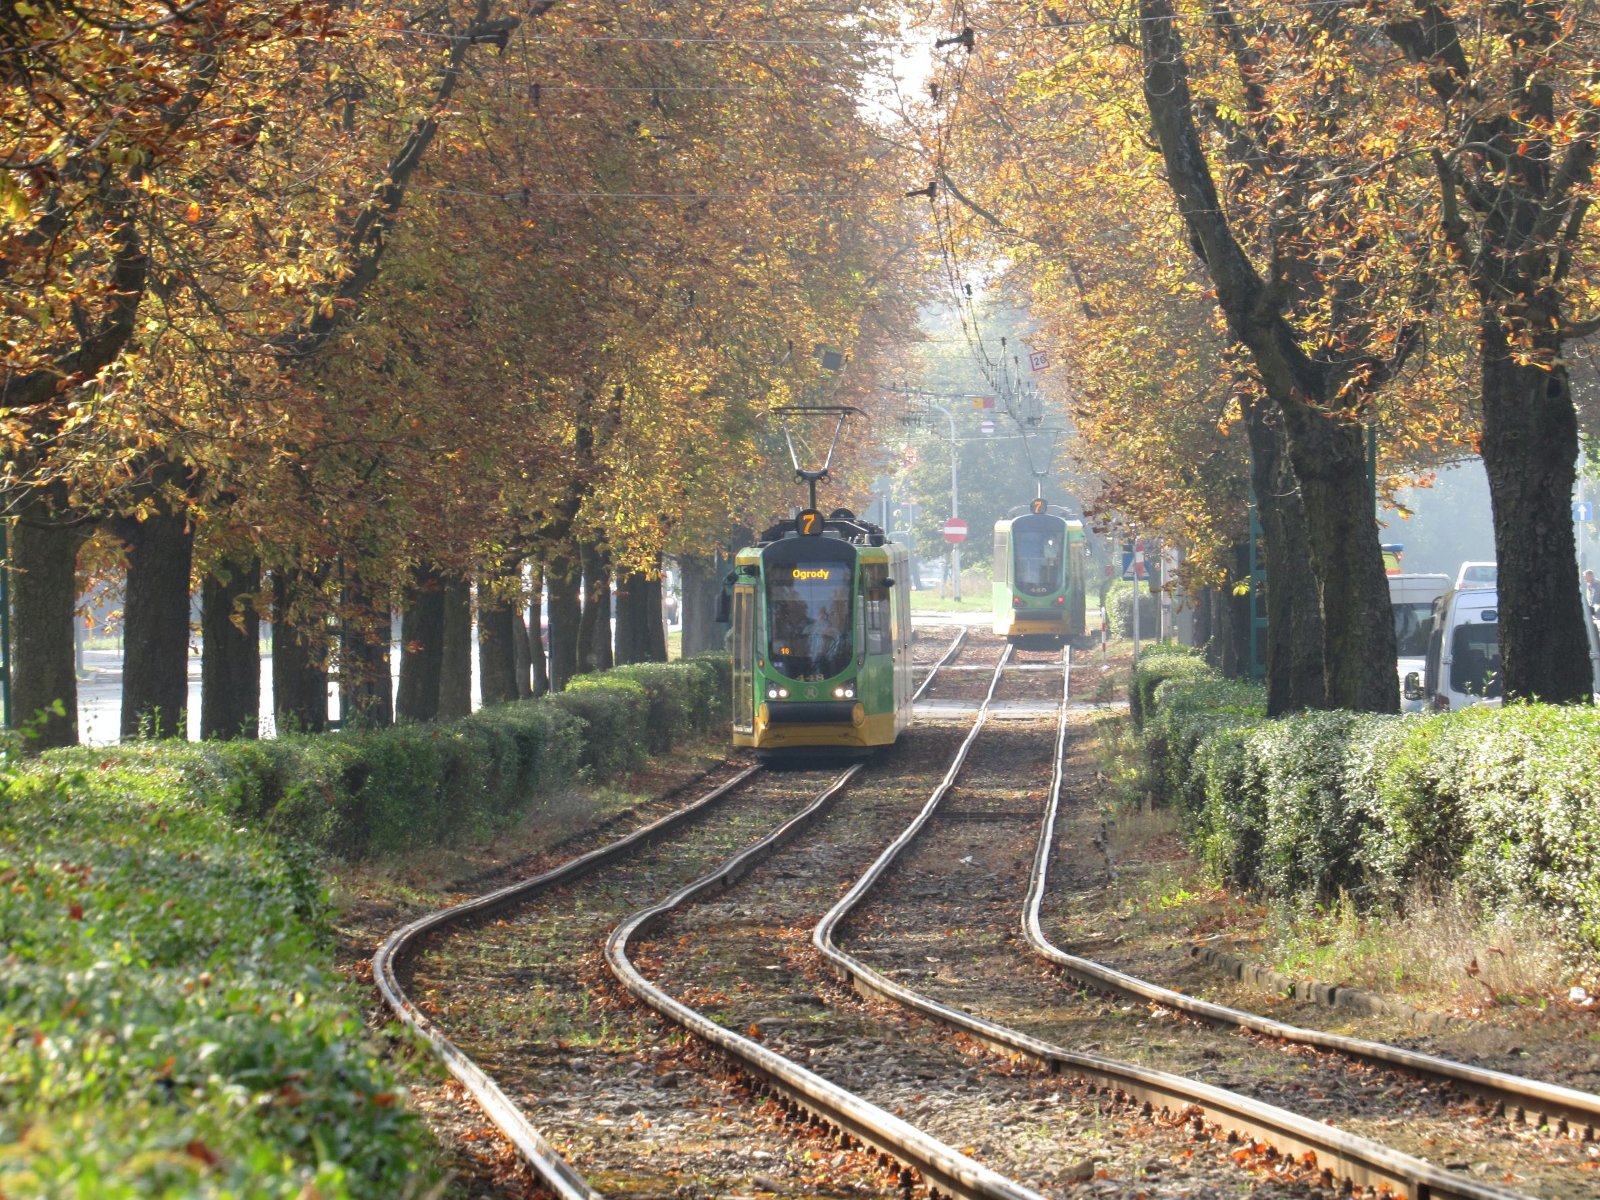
[[1044, 622], [812, 723], [815, 712]]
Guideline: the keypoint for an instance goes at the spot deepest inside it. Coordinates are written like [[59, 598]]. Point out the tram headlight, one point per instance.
[[1061, 600], [845, 692], [774, 692]]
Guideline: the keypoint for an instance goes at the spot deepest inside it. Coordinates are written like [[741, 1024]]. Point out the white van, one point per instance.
[[1411, 600], [1463, 660]]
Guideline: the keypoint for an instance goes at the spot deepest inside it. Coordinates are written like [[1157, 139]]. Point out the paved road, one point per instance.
[[100, 696]]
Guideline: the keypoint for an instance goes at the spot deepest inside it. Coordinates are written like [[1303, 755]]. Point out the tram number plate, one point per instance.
[[809, 522]]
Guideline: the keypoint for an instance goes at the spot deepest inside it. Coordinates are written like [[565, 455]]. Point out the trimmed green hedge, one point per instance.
[[367, 793], [170, 1024], [1504, 800]]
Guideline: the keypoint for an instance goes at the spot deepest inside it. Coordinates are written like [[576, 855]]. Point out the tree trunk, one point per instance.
[[701, 581], [599, 588], [565, 580], [594, 621], [299, 654], [655, 623], [421, 647], [497, 643], [230, 653], [633, 638], [366, 687], [1202, 622], [455, 663], [1530, 448], [522, 655], [1229, 649], [538, 652], [44, 596], [1237, 612], [155, 622], [1358, 646], [1294, 644]]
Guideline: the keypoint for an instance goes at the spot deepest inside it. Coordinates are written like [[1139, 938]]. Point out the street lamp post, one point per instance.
[[955, 511]]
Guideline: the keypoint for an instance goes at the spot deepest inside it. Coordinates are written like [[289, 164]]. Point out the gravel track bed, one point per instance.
[[1421, 1119], [981, 649], [633, 1105], [746, 960], [1035, 686], [928, 646]]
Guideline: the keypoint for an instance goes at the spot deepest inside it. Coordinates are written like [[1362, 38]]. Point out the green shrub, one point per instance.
[[1532, 803], [1314, 824], [1232, 820], [1160, 662], [616, 717], [1413, 789], [1503, 800], [1119, 611], [170, 1024]]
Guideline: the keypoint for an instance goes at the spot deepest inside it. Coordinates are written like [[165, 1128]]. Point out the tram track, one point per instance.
[[1356, 1159], [1191, 1107], [396, 960], [997, 1106]]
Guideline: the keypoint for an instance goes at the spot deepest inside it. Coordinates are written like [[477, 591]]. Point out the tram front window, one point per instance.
[[809, 618], [1038, 563]]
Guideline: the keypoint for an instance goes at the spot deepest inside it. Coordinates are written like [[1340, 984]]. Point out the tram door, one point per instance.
[[744, 641]]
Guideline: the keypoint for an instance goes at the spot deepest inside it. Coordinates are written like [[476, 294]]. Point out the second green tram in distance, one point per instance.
[[821, 638], [1040, 593]]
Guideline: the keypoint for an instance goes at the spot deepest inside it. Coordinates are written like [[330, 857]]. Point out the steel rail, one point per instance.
[[1362, 1161], [1537, 1102], [553, 1171], [941, 1166], [955, 645]]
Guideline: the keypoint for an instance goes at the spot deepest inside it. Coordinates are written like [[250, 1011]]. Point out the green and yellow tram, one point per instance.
[[821, 638], [1040, 593]]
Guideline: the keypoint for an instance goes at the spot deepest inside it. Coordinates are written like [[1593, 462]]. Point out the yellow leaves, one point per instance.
[[14, 202], [192, 213]]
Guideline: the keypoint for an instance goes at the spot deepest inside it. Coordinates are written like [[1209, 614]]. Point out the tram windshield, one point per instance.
[[1038, 561], [809, 618]]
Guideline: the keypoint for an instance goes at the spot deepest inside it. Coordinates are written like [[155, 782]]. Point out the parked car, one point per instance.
[[1463, 660], [1477, 575], [1411, 600]]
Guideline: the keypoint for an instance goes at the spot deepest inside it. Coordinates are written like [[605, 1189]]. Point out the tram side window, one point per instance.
[[1002, 558], [744, 608], [873, 576], [1038, 562]]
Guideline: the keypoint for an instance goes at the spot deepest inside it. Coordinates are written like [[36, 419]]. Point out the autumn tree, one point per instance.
[[1511, 139]]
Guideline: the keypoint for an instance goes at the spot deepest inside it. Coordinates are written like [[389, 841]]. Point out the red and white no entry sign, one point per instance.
[[986, 428], [955, 530]]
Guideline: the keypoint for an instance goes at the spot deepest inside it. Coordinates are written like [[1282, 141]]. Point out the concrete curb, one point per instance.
[[1367, 1004]]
